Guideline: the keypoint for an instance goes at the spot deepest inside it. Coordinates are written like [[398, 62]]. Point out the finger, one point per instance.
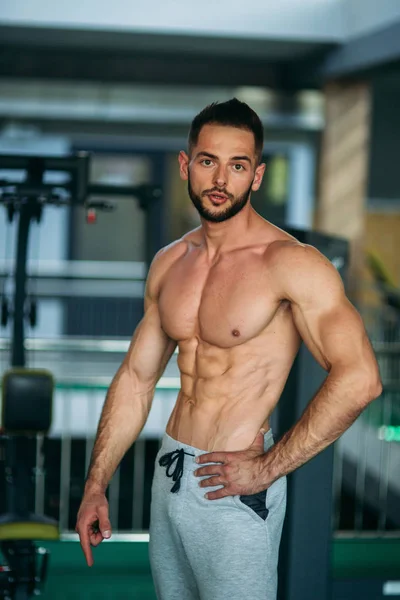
[[216, 457], [85, 544], [104, 522], [213, 470], [211, 481], [218, 494], [95, 538]]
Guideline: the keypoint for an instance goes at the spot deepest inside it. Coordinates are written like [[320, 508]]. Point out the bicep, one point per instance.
[[150, 348]]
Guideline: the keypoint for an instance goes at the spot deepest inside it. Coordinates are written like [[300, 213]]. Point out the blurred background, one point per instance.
[[123, 80]]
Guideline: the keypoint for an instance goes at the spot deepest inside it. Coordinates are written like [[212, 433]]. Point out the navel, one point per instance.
[[236, 332]]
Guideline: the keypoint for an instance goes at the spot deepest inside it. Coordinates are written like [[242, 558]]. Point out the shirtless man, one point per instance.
[[236, 295]]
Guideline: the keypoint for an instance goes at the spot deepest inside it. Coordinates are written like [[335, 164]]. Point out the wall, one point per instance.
[[343, 170], [384, 180], [382, 235], [382, 219]]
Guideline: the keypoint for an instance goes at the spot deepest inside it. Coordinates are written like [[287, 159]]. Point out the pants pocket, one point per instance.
[[257, 503]]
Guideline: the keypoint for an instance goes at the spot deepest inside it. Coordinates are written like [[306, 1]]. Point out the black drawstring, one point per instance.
[[168, 460]]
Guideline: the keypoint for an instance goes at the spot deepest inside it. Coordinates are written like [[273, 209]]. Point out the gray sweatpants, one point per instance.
[[224, 549]]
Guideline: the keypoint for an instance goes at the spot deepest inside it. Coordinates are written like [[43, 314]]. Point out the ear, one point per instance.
[[258, 177], [183, 165]]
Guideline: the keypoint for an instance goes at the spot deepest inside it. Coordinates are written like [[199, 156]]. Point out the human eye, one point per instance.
[[207, 162], [238, 167]]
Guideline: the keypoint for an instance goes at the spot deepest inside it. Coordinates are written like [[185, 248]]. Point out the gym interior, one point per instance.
[[95, 104]]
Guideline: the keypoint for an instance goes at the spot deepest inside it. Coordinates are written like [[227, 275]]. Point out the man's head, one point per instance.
[[222, 166]]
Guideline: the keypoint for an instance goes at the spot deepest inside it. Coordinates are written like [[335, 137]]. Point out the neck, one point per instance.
[[224, 236]]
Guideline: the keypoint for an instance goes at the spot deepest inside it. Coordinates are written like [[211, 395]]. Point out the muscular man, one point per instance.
[[236, 295]]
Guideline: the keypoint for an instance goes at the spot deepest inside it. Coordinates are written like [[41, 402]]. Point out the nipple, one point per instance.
[[236, 332]]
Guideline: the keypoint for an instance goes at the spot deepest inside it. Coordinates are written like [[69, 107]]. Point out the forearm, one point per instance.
[[124, 415], [337, 404]]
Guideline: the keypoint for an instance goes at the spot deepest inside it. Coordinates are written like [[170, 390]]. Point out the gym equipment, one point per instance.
[[26, 410], [27, 393]]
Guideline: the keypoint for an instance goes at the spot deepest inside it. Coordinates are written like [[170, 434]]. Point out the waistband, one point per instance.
[[174, 455], [169, 444]]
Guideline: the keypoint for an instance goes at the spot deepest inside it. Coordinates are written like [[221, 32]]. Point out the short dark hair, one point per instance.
[[232, 113]]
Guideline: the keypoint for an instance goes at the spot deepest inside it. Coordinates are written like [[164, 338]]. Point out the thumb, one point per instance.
[[259, 441], [105, 529], [105, 526]]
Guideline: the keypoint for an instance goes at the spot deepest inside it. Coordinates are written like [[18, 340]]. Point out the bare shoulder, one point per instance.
[[287, 251], [299, 269], [165, 258]]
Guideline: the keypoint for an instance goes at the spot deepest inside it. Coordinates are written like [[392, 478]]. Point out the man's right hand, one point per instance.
[[93, 525]]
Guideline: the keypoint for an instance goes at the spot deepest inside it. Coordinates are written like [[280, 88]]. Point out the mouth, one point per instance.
[[218, 198]]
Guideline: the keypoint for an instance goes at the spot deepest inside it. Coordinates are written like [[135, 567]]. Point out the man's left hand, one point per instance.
[[239, 473]]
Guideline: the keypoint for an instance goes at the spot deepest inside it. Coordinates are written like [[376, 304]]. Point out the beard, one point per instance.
[[237, 204]]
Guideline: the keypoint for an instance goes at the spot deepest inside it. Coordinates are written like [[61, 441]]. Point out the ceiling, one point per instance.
[[100, 55], [151, 58]]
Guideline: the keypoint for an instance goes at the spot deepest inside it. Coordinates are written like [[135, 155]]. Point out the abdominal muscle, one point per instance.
[[227, 395]]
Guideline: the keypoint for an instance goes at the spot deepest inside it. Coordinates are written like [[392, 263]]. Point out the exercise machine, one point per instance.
[[27, 394]]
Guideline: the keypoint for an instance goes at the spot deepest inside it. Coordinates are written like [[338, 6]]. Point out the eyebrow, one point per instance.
[[209, 155]]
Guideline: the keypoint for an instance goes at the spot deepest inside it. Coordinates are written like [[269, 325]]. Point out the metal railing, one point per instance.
[[367, 456]]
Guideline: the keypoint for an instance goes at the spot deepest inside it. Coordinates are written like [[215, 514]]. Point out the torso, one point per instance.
[[236, 341]]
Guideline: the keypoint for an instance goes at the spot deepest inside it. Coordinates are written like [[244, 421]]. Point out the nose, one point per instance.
[[220, 177]]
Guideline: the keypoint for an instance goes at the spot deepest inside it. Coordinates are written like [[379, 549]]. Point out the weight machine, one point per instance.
[[27, 394]]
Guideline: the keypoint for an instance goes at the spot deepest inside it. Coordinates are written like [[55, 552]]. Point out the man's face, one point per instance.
[[221, 172]]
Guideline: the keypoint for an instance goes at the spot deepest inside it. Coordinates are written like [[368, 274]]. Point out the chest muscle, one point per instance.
[[224, 306]]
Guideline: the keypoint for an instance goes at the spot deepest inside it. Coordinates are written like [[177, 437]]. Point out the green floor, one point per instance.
[[122, 571]]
